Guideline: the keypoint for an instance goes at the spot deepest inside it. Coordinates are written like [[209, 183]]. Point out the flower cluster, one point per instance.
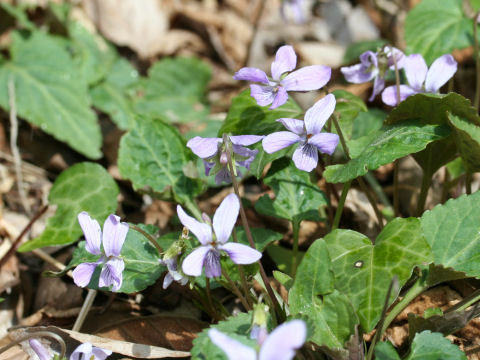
[[421, 79], [113, 237]]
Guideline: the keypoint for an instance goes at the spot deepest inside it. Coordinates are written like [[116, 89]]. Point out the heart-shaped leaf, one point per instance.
[[467, 139], [363, 271], [296, 197], [392, 142], [313, 294], [82, 187], [433, 346], [452, 230]]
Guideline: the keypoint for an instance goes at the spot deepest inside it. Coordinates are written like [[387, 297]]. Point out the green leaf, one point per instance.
[[433, 109], [49, 92], [141, 261], [392, 142], [18, 13], [82, 187], [296, 197], [434, 28], [452, 230], [153, 156], [237, 327], [433, 346], [112, 95], [348, 106], [175, 90], [363, 271], [313, 294], [386, 351], [368, 122], [282, 257], [245, 117], [467, 139]]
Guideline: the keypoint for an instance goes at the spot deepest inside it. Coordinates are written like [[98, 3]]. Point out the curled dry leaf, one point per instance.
[[73, 339]]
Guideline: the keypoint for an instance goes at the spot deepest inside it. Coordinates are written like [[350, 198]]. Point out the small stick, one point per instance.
[[87, 304], [13, 145]]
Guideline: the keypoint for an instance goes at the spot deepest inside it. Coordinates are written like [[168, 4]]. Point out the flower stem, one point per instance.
[[209, 296], [243, 216], [236, 291], [193, 208], [242, 275], [149, 237], [468, 182], [87, 304], [396, 199], [476, 101], [397, 76], [296, 231], [359, 179], [341, 203], [426, 182], [201, 297]]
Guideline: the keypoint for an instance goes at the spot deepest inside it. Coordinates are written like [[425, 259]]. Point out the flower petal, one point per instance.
[[91, 231], [42, 352], [167, 280], [318, 114], [241, 254], [246, 140], [193, 264], [111, 274], [212, 264], [264, 95], [369, 59], [293, 125], [83, 274], [305, 157], [307, 78], [83, 351], [399, 57], [251, 74], [114, 234], [440, 72], [281, 97], [389, 95], [202, 231], [325, 142], [225, 217], [279, 140], [416, 71], [282, 343], [234, 349], [223, 176], [101, 354], [378, 86], [357, 74], [285, 61], [204, 147]]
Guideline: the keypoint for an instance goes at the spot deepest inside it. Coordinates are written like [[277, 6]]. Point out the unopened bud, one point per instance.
[[224, 158]]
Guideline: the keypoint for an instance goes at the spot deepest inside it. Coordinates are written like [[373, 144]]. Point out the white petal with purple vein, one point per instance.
[[225, 217], [319, 113], [241, 254], [279, 140], [204, 147], [307, 78], [202, 231]]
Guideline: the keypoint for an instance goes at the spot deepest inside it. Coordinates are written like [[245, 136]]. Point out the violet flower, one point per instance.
[[213, 153], [173, 274], [87, 351], [420, 78], [295, 8], [281, 344], [284, 79], [373, 66], [208, 254], [42, 352], [307, 133], [113, 237]]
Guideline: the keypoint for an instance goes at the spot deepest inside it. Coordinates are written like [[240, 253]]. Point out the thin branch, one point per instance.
[[87, 304]]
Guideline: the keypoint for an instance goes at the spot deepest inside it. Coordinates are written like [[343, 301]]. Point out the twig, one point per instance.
[[87, 304], [14, 147], [17, 241]]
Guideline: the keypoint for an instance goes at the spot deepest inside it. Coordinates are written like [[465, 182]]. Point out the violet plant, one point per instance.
[[332, 288]]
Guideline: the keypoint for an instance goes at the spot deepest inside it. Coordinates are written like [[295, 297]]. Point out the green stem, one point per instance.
[[296, 231], [466, 302], [209, 299], [341, 203], [149, 237], [236, 291], [396, 199], [468, 182], [422, 198], [377, 188], [243, 278], [476, 101], [193, 208]]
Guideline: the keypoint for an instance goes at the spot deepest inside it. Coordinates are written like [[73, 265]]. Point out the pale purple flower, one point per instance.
[[420, 78], [213, 153], [113, 237], [42, 352], [87, 351], [281, 344], [173, 274], [208, 254], [295, 8], [274, 90], [307, 133], [373, 66]]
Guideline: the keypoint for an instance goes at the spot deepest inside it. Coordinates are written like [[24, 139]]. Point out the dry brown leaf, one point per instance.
[[73, 339], [165, 331]]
